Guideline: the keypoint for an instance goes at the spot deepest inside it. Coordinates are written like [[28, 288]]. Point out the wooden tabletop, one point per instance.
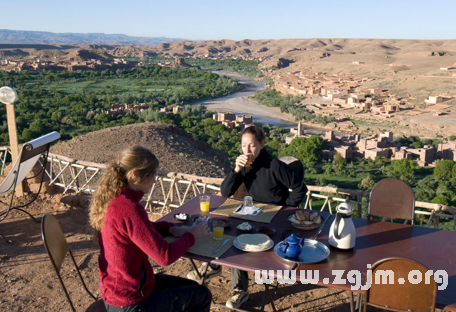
[[436, 249]]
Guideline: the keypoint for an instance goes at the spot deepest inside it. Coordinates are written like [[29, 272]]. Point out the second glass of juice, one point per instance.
[[204, 203], [218, 227]]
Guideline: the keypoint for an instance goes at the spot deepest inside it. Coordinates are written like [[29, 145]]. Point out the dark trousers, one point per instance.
[[239, 280], [171, 293]]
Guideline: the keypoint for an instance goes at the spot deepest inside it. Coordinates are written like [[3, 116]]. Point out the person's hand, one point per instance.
[[241, 162], [200, 230]]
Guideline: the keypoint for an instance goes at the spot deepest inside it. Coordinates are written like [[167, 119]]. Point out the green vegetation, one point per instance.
[[76, 103], [307, 150], [363, 174], [247, 68], [287, 104], [416, 142]]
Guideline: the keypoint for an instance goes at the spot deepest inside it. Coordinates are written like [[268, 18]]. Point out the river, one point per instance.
[[239, 104]]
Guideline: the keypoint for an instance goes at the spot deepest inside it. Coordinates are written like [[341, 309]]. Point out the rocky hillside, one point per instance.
[[131, 51], [175, 148]]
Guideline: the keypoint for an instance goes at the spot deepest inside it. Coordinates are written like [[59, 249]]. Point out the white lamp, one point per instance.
[[8, 96]]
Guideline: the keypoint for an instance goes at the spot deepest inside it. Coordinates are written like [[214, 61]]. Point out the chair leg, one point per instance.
[[350, 296], [271, 300], [27, 213], [359, 302], [9, 242]]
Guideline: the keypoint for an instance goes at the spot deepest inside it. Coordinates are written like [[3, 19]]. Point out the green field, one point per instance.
[[117, 85]]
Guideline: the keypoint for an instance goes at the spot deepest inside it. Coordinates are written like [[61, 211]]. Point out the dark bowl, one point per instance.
[[266, 230], [187, 217], [226, 225]]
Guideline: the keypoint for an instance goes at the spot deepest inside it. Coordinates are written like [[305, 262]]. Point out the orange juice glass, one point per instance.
[[204, 203], [218, 227], [249, 161]]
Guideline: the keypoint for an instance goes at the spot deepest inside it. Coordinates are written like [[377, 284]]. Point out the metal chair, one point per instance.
[[30, 154], [57, 248], [418, 297], [392, 198], [295, 164], [28, 157]]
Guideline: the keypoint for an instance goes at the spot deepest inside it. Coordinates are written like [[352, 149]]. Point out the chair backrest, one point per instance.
[[28, 156], [408, 296], [295, 164], [57, 248], [54, 240], [392, 198]]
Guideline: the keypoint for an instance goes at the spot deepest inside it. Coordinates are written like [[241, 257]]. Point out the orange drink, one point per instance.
[[249, 161], [204, 203], [218, 227]]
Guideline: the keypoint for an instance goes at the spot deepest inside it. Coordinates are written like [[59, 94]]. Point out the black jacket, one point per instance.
[[267, 180]]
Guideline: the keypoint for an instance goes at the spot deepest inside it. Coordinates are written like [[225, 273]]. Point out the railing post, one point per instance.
[[359, 211], [437, 218]]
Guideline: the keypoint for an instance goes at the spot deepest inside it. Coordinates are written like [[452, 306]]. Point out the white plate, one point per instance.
[[271, 244]]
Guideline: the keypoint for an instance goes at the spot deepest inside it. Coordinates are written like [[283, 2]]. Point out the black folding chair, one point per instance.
[[57, 248]]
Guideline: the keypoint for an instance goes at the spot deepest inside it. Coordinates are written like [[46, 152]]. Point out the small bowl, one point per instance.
[[269, 231], [303, 226], [187, 217], [245, 231], [287, 233], [227, 223]]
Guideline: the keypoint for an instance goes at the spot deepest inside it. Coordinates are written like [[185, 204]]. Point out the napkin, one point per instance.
[[251, 211]]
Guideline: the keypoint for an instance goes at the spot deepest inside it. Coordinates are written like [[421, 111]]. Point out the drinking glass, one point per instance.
[[248, 204], [218, 227], [204, 203], [249, 161]]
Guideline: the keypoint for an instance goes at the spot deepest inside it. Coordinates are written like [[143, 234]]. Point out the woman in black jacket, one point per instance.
[[267, 180]]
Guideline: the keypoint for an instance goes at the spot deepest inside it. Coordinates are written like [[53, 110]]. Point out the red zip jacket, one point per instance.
[[127, 239]]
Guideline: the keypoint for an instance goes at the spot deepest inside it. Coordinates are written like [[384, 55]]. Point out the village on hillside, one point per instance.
[[344, 95], [379, 145], [77, 63]]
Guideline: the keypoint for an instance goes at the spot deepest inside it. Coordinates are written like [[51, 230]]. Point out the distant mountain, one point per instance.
[[43, 37]]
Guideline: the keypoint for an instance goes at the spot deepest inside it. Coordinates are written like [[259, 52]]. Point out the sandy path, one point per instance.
[[239, 103]]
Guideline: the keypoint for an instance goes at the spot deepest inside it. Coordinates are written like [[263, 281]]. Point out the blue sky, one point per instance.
[[236, 19]]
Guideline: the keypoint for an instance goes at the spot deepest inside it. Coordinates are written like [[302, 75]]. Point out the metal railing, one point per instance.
[[172, 189]]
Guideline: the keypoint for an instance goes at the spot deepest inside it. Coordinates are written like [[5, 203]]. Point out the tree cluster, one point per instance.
[[287, 104], [43, 107]]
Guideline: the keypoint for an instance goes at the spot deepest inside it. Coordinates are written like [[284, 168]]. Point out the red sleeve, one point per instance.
[[143, 234]]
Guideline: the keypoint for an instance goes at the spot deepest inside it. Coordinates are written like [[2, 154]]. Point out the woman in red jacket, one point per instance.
[[127, 238]]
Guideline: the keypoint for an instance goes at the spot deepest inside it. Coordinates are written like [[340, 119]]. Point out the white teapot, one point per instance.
[[342, 234]]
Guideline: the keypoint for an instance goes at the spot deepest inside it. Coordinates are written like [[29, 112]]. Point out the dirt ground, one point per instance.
[[28, 281]]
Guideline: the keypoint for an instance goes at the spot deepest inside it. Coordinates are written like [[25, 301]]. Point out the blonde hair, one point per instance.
[[137, 162]]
